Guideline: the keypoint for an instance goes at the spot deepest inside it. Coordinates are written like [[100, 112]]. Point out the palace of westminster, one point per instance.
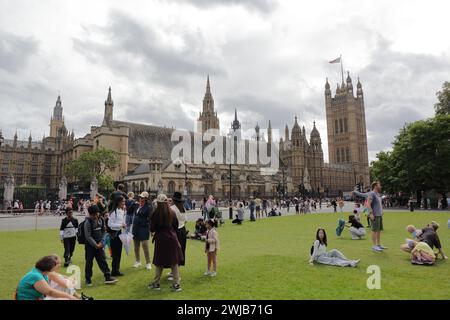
[[145, 163]]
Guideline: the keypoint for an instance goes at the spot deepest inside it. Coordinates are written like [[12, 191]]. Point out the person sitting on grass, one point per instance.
[[35, 284], [200, 229], [422, 254], [430, 236], [334, 257], [274, 212], [240, 214], [416, 235], [357, 230], [62, 283]]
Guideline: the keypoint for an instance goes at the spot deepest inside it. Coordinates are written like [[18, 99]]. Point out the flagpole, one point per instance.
[[342, 69]]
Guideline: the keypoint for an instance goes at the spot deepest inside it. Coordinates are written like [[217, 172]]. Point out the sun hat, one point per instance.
[[161, 198], [144, 195]]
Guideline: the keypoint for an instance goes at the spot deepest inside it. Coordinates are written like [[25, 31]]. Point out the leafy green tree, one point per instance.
[[94, 164], [442, 107], [419, 160]]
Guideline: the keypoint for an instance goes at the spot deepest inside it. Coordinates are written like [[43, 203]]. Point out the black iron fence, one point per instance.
[[28, 195]]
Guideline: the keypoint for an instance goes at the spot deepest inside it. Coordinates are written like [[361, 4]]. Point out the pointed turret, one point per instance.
[[286, 133], [327, 89], [235, 125], [269, 133], [57, 110], [109, 105], [15, 140], [208, 117], [359, 90]]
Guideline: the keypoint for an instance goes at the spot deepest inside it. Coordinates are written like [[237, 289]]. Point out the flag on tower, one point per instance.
[[338, 60]]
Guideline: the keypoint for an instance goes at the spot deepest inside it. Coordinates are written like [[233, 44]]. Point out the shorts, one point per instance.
[[377, 224]]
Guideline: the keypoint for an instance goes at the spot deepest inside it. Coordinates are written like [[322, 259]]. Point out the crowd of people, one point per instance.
[[124, 219]]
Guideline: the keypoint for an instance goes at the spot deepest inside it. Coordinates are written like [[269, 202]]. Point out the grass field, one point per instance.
[[263, 260]]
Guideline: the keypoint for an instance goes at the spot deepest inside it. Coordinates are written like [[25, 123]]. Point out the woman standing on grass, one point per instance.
[[180, 212], [164, 225], [141, 230], [334, 257]]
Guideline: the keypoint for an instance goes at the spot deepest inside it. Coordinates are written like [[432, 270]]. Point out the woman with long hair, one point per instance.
[[178, 208], [334, 257], [168, 252]]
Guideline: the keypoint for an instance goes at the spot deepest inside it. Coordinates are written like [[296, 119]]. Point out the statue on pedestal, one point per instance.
[[63, 189], [8, 193], [94, 187]]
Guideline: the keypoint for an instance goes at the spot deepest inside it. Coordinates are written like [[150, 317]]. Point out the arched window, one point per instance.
[[345, 125], [142, 186], [341, 127], [347, 155], [338, 153], [336, 126], [171, 187]]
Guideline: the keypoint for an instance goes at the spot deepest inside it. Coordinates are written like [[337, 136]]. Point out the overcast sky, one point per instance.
[[267, 58]]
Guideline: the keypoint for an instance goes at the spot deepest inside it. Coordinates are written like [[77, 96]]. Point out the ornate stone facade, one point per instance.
[[145, 153]]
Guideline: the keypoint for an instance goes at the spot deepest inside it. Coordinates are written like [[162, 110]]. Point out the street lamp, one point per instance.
[[231, 136]]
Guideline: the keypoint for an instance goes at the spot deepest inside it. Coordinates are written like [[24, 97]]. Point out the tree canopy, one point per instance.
[[94, 164], [442, 107], [419, 160]]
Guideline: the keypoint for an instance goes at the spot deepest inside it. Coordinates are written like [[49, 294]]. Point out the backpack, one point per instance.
[[80, 234]]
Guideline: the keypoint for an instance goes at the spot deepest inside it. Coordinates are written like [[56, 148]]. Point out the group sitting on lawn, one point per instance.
[[422, 244]]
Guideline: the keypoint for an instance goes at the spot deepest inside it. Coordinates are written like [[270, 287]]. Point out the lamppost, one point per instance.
[[230, 210]]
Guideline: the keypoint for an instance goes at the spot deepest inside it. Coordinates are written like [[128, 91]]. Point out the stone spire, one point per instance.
[[109, 105], [235, 125], [29, 141], [57, 110], [15, 140], [359, 88], [208, 117], [269, 133], [286, 133]]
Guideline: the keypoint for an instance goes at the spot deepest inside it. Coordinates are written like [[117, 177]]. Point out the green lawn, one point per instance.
[[263, 260]]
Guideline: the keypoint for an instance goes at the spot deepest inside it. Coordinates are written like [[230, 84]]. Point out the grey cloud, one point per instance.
[[399, 88], [15, 51], [136, 51]]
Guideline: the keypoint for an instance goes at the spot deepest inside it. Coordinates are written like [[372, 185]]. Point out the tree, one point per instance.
[[442, 107], [419, 160], [94, 164]]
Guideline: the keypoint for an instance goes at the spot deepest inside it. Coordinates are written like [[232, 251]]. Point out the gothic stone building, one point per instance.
[[145, 153], [347, 145], [37, 163]]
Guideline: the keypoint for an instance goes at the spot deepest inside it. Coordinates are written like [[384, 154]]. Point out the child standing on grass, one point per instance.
[[211, 247]]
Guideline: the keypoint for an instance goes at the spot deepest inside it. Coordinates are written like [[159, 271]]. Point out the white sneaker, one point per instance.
[[213, 274], [207, 273], [137, 264], [169, 274], [148, 266]]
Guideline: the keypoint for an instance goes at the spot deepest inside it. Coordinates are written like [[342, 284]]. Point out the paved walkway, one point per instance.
[[28, 222]]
